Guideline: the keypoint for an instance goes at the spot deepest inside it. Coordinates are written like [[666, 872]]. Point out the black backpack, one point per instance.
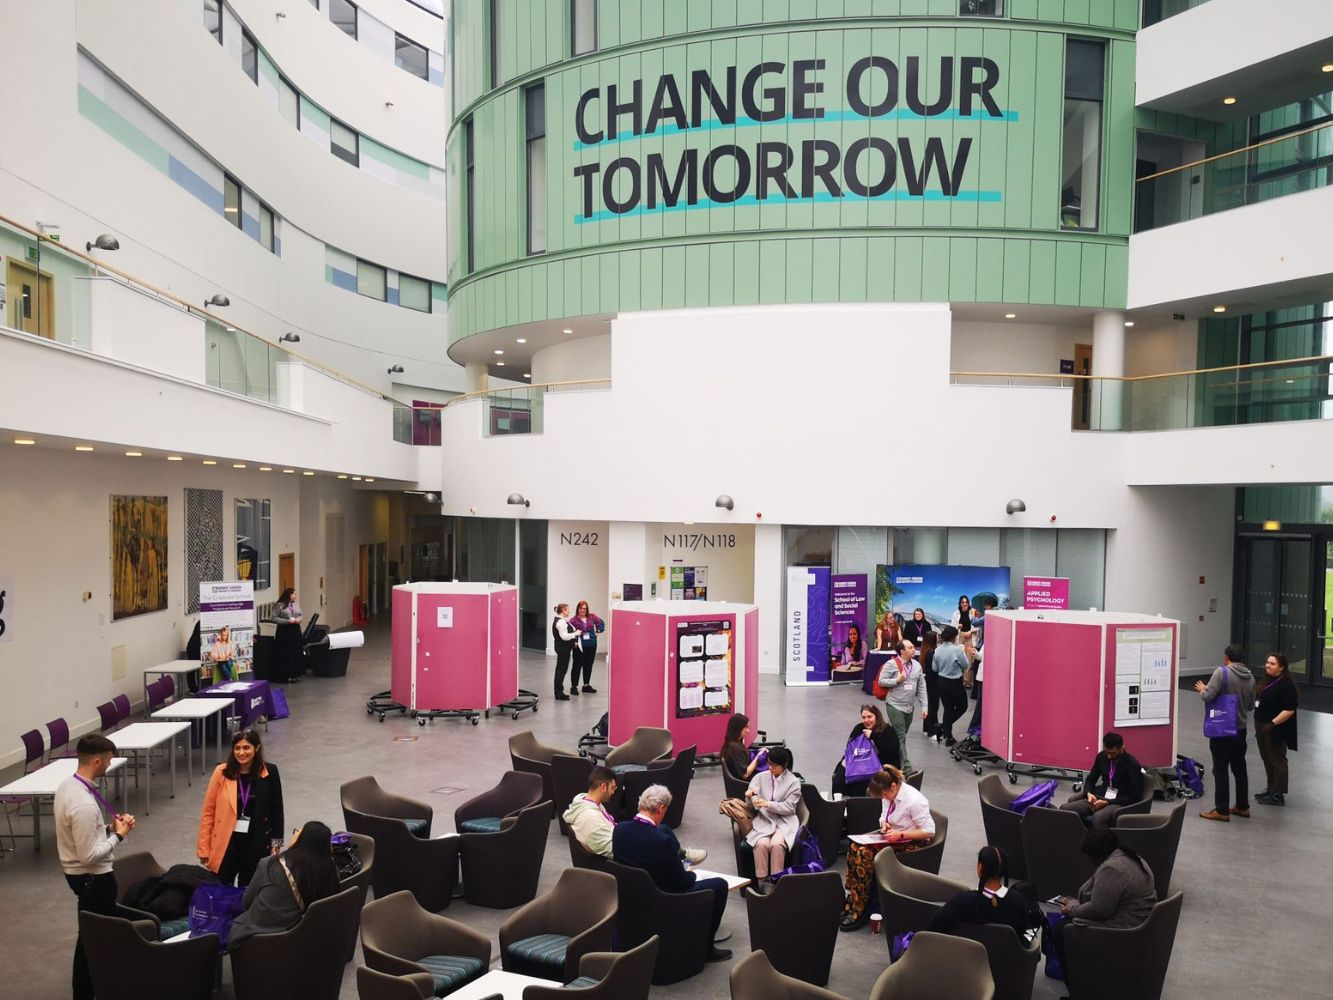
[[167, 897]]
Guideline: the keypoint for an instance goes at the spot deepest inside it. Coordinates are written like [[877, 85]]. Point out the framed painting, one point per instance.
[[138, 556]]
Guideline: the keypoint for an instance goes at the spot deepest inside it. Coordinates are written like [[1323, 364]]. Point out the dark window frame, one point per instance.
[[217, 34], [272, 244], [970, 8], [355, 33], [236, 218], [533, 133], [283, 82], [402, 41], [493, 30], [1097, 97], [430, 305], [249, 39], [379, 267], [469, 194], [354, 156], [574, 52]]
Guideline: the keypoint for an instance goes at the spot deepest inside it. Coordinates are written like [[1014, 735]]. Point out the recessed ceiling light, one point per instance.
[[1129, 323], [522, 340], [1219, 309], [1326, 68], [369, 480], [83, 447], [499, 364], [24, 441], [498, 351], [307, 473], [289, 471], [231, 210], [175, 458], [231, 329], [266, 468], [527, 374], [209, 461], [238, 465], [1011, 316], [134, 454], [356, 479], [342, 475], [1228, 101], [566, 331]]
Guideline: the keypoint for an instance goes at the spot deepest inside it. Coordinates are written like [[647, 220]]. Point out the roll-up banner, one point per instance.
[[807, 653]]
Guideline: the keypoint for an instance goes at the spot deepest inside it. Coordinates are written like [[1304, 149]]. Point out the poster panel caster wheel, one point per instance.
[[475, 720], [370, 711], [381, 717], [1078, 786], [1013, 778], [534, 709], [421, 723], [976, 769], [514, 716]]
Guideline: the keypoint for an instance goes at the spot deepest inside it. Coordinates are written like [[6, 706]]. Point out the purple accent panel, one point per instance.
[[1057, 673], [751, 670], [250, 698], [504, 646], [817, 620], [998, 682], [452, 662], [849, 606], [226, 605], [704, 730], [637, 673], [400, 647], [1154, 746]]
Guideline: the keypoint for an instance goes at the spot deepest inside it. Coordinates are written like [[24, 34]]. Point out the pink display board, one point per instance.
[[637, 674], [1050, 688], [401, 640], [751, 697], [504, 647], [702, 731]]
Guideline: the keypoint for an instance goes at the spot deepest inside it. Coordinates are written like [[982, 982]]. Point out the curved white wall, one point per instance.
[[587, 357]]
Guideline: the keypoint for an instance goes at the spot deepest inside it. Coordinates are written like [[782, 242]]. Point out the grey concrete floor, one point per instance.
[[1256, 901]]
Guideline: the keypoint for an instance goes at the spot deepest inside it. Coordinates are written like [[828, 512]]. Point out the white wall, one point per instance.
[[1014, 347], [1162, 346], [128, 325], [576, 570], [730, 566], [571, 360]]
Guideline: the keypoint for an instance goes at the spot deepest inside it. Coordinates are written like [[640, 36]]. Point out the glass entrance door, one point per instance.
[[1323, 673], [1277, 604]]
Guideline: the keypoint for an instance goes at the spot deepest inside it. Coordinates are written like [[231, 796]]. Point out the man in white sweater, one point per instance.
[[86, 842]]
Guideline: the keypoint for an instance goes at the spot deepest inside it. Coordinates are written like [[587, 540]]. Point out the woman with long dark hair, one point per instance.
[[991, 902], [241, 820], [735, 750], [288, 664], [1275, 705], [916, 627], [928, 643], [1121, 892], [876, 729], [285, 885]]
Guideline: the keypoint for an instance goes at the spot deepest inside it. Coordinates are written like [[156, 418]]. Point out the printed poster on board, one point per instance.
[[806, 657], [226, 628], [705, 656], [1041, 593], [848, 617], [900, 590]]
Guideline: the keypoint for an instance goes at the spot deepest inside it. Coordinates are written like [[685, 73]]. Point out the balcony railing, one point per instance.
[[1159, 10], [519, 410], [1261, 393], [1283, 165]]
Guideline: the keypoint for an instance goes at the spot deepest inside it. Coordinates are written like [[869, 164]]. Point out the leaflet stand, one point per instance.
[[1056, 681], [454, 650]]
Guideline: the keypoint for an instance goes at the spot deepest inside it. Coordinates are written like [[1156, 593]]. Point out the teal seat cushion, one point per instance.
[[170, 928], [451, 971], [482, 824], [582, 983], [418, 827], [540, 955]]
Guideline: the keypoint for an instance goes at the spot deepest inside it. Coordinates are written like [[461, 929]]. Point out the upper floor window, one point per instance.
[[266, 227], [414, 293], [249, 56], [497, 74], [410, 56], [315, 4], [231, 199], [371, 280], [289, 102], [344, 143], [534, 134], [213, 18], [469, 195], [343, 14], [1081, 156], [582, 26], [981, 8]]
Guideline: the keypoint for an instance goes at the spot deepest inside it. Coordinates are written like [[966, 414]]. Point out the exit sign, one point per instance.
[[33, 254]]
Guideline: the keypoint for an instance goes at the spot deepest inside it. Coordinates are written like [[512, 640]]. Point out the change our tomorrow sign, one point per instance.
[[705, 106]]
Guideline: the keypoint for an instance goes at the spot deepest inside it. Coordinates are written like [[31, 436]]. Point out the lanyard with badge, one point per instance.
[[243, 821], [101, 802], [1112, 793]]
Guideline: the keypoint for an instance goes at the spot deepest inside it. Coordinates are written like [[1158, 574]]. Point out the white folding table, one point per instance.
[[196, 710], [497, 982], [42, 783], [145, 737], [178, 669]]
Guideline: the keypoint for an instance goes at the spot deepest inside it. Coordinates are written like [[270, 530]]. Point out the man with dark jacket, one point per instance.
[[1229, 751], [1114, 781], [643, 842]]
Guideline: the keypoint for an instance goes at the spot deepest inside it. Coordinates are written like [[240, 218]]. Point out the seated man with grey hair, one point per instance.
[[643, 842]]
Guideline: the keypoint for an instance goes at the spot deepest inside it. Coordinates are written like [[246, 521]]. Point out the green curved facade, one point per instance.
[[738, 152]]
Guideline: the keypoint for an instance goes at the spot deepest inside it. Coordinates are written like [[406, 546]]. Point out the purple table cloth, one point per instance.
[[250, 699]]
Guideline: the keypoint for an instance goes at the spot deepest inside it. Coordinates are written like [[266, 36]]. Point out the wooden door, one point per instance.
[[286, 571], [363, 573], [1082, 386], [32, 299]]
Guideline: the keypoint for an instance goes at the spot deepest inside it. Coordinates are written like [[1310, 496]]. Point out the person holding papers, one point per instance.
[[905, 824], [241, 821]]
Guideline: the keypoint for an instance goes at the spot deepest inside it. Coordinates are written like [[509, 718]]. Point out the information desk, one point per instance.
[[144, 738], [42, 783], [250, 699], [685, 666], [196, 710]]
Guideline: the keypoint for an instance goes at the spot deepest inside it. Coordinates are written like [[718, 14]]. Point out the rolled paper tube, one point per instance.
[[346, 640]]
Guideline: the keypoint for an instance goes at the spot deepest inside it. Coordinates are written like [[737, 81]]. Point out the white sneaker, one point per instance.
[[695, 855]]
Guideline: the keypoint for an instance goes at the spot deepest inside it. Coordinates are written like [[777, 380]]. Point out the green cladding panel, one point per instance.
[[720, 152]]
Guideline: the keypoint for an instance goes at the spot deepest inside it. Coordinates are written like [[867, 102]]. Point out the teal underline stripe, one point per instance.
[[781, 199], [898, 114]]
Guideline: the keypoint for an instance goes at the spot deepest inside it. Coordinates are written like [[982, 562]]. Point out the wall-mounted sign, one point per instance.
[[444, 617], [1040, 592], [694, 541]]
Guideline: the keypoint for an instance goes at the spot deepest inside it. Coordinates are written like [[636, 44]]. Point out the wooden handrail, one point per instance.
[[479, 393], [1232, 152], [1317, 359]]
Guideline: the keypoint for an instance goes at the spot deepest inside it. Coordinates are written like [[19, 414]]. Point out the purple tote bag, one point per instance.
[[860, 760], [1219, 715]]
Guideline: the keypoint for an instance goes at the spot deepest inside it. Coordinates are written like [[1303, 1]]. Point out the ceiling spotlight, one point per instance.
[[307, 472], [1219, 309], [498, 351], [342, 475], [1011, 316], [210, 461], [430, 498], [395, 369], [104, 242], [175, 458], [500, 364], [1272, 525], [527, 374], [1015, 507], [217, 299], [289, 338], [289, 472], [238, 465], [356, 479], [266, 468], [24, 441], [230, 329], [369, 480], [1128, 323], [518, 500], [1228, 101], [1326, 68], [566, 331], [521, 340], [725, 502], [83, 447], [134, 454]]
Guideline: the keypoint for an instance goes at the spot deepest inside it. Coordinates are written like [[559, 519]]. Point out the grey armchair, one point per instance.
[[365, 850], [826, 821], [399, 938], [501, 870], [373, 985], [526, 754], [550, 935], [1052, 846], [569, 779], [796, 924], [484, 813], [928, 858], [1003, 825], [306, 962], [909, 898], [364, 795], [682, 921], [675, 773], [647, 744], [1013, 961], [754, 978], [1103, 963], [606, 976], [1157, 838], [427, 868], [127, 962], [946, 966]]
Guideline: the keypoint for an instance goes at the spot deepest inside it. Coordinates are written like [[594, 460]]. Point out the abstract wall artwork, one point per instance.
[[203, 543], [138, 555]]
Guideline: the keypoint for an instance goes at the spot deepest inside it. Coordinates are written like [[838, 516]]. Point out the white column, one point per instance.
[[769, 575], [476, 376], [1108, 362]]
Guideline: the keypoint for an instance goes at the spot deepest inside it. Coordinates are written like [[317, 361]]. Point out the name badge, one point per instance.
[[242, 825], [1111, 794]]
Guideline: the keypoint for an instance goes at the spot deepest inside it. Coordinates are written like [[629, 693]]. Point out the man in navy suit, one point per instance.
[[643, 842]]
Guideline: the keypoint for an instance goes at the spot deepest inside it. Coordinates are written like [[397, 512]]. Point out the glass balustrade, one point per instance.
[[1159, 10]]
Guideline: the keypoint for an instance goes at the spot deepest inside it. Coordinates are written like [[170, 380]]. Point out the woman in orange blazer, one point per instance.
[[241, 822]]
